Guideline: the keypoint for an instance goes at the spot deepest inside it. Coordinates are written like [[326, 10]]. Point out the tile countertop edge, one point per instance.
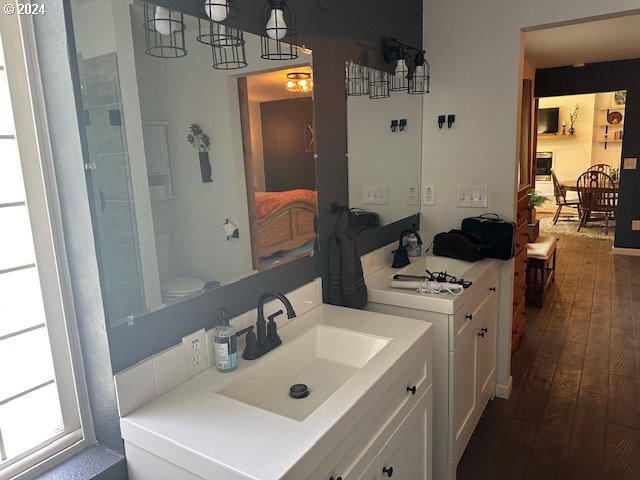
[[380, 291], [195, 403]]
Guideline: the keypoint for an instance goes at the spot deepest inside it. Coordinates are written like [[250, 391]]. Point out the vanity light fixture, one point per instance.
[[357, 79], [164, 32], [379, 84], [418, 73], [299, 82], [278, 31]]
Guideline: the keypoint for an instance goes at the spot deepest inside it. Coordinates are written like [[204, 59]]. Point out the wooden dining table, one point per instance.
[[572, 185]]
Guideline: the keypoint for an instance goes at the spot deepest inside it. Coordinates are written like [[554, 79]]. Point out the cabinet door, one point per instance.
[[407, 454], [486, 341], [462, 393]]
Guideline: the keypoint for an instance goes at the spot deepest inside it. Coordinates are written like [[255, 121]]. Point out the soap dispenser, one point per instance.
[[225, 345], [401, 255]]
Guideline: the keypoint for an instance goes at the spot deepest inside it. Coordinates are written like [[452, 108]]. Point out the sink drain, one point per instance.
[[299, 390]]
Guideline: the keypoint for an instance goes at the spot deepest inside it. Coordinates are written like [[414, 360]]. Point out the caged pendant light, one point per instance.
[[278, 31], [379, 84], [399, 79], [164, 32], [357, 79], [419, 82], [223, 35]]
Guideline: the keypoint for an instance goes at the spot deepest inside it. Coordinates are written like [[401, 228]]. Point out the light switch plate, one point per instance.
[[630, 163], [195, 347], [375, 194], [429, 195], [474, 196], [635, 224]]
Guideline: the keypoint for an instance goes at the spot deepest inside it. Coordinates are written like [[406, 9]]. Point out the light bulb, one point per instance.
[[419, 71], [291, 84], [276, 26], [163, 23], [401, 67], [217, 9]]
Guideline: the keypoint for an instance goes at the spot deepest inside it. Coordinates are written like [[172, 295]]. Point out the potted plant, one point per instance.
[[200, 140], [535, 200]]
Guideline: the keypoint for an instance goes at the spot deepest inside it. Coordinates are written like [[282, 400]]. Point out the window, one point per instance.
[[39, 409]]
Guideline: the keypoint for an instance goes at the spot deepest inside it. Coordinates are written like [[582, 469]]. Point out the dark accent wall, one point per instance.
[[606, 77], [336, 31], [287, 164]]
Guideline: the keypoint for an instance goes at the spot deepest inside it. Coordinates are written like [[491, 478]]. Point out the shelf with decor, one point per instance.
[[612, 123], [556, 137]]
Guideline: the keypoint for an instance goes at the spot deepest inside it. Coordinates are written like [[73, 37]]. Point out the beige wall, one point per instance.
[[476, 65]]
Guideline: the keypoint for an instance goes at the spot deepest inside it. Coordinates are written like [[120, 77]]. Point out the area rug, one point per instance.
[[569, 226]]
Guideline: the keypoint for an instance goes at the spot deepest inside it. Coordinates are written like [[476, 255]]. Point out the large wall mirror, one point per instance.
[[384, 161], [168, 227]]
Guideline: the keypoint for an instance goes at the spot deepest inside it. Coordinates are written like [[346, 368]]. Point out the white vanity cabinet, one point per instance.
[[379, 421], [464, 353], [395, 437]]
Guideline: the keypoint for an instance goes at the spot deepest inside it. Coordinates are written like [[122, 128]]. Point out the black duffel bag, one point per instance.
[[499, 234], [459, 244]]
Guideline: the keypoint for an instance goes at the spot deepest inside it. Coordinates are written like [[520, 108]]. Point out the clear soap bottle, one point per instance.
[[225, 345]]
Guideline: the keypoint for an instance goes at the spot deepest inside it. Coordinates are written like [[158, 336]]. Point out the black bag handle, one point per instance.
[[472, 237], [485, 216]]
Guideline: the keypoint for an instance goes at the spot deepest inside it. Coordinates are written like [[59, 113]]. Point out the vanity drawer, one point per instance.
[[466, 317], [359, 448]]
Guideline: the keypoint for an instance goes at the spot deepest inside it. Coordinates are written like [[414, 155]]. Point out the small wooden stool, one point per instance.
[[541, 268]]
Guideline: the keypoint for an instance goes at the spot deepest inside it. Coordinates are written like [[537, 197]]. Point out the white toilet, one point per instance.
[[179, 287], [172, 288]]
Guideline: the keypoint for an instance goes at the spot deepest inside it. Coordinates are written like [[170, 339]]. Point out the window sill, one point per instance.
[[93, 463]]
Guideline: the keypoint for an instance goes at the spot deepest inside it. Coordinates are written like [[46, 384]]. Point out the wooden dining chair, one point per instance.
[[560, 192], [598, 196], [600, 167]]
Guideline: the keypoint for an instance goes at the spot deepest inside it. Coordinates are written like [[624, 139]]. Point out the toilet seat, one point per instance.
[[181, 286]]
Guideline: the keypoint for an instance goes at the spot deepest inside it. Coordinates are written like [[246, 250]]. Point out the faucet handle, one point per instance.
[[274, 315]]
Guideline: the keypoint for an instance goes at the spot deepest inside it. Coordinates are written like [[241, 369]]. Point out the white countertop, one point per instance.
[[380, 291], [218, 437]]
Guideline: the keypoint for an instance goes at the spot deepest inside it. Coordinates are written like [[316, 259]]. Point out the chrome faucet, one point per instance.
[[266, 336]]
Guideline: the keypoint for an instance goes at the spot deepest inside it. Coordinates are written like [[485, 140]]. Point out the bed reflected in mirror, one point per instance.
[[276, 111]]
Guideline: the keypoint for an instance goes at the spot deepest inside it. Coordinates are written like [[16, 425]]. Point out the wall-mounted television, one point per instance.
[[548, 121]]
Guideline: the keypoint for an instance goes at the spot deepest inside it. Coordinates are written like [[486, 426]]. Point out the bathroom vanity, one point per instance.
[[464, 346], [367, 416]]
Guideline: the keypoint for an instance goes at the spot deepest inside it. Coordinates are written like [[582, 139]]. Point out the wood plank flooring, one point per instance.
[[575, 408]]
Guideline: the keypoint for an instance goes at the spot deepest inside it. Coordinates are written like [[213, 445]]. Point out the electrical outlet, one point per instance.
[[375, 194], [195, 347], [472, 196], [635, 224], [413, 192], [429, 195]]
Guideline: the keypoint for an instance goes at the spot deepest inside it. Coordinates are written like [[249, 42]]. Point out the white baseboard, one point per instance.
[[633, 252], [504, 391]]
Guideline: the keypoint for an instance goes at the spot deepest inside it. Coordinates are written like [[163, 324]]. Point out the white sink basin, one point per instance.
[[452, 266], [324, 358]]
